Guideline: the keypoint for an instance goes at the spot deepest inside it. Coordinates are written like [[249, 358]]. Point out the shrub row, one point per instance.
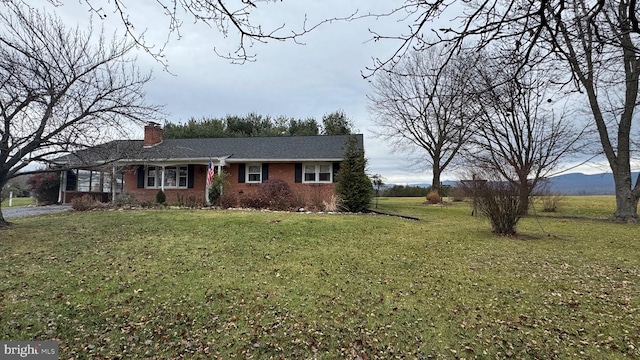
[[86, 203], [277, 195], [274, 195]]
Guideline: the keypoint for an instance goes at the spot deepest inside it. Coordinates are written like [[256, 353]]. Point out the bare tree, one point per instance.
[[61, 90], [601, 48], [421, 104], [594, 42], [228, 17], [522, 131]]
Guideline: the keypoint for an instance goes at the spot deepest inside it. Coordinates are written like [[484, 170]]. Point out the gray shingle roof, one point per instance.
[[296, 148]]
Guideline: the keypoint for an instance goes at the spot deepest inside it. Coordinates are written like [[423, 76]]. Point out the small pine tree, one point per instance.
[[218, 186], [354, 186], [161, 198]]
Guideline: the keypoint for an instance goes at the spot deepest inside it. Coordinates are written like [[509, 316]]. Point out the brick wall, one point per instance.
[[310, 194], [141, 194]]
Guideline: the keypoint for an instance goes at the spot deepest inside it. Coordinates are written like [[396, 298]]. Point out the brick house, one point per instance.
[[309, 164]]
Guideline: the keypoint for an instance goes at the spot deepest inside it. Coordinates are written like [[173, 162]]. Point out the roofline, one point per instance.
[[283, 160], [201, 159], [225, 158]]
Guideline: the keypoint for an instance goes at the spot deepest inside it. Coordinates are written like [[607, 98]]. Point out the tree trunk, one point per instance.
[[523, 206], [3, 223], [626, 200], [3, 181], [524, 190], [435, 182]]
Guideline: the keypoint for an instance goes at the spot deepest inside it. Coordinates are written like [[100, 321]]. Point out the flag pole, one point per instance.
[[210, 174]]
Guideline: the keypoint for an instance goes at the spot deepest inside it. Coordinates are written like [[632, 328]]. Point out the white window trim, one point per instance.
[[317, 172], [246, 174], [159, 178]]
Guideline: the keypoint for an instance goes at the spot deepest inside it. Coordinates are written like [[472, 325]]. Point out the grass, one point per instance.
[[596, 206], [231, 284], [18, 202]]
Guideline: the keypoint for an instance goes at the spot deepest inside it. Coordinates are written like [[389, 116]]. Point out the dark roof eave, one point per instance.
[[226, 159]]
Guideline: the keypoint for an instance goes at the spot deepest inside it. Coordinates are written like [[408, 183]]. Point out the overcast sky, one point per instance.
[[299, 81]]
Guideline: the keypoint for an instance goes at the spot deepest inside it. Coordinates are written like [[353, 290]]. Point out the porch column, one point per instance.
[[113, 184], [206, 188], [63, 187], [223, 162], [162, 179]]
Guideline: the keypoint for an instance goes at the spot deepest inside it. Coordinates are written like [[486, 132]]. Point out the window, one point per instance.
[[170, 177], [151, 176], [174, 177], [317, 173], [84, 180], [106, 182], [309, 173], [88, 180], [324, 174], [91, 181], [96, 179], [182, 177], [254, 173]]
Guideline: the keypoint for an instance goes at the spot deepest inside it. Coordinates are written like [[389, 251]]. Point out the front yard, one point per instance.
[[246, 284]]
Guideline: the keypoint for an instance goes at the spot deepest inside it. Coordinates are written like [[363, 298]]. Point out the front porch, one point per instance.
[[178, 180]]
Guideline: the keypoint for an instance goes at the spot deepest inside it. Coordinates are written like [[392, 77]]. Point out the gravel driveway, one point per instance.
[[17, 212]]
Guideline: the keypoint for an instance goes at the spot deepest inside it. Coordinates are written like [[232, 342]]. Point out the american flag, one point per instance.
[[210, 173]]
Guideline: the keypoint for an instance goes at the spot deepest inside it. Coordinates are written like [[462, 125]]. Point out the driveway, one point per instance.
[[18, 212]]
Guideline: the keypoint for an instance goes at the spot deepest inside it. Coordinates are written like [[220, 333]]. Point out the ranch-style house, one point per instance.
[[179, 167]]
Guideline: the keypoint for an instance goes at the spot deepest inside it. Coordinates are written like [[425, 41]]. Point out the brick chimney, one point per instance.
[[153, 134]]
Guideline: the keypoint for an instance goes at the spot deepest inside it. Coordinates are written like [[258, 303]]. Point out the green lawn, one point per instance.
[[234, 284], [17, 202]]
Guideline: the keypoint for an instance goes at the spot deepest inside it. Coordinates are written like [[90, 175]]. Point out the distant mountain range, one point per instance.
[[573, 184], [582, 184]]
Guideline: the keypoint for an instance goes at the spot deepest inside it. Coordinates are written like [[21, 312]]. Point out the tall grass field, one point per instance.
[[199, 284]]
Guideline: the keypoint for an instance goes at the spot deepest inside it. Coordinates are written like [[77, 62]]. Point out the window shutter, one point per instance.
[[140, 176], [190, 176], [298, 171], [265, 172], [336, 169], [241, 173]]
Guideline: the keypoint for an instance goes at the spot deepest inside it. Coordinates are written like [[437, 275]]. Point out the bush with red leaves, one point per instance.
[[44, 187]]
